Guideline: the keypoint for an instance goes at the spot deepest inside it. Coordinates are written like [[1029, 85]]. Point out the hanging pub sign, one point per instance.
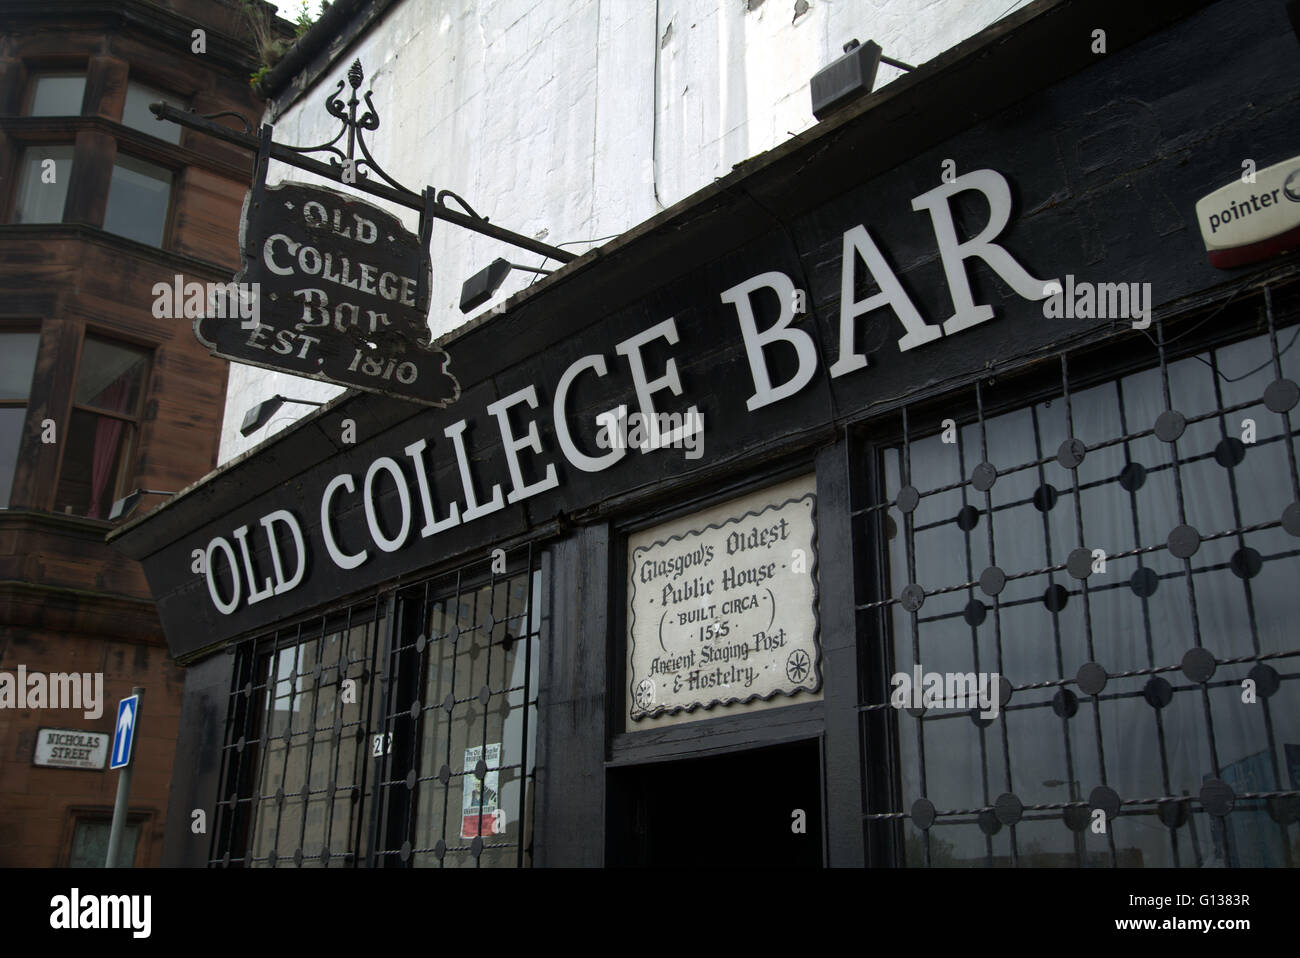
[[722, 605], [342, 294], [332, 287]]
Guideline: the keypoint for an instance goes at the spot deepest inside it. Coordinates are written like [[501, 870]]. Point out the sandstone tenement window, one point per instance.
[[101, 434], [138, 197], [57, 94], [135, 111], [17, 363], [44, 173]]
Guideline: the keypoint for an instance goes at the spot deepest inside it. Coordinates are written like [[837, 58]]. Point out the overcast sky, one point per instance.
[[289, 8]]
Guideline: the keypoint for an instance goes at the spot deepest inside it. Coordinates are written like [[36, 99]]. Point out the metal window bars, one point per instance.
[[294, 770], [1091, 640], [458, 783], [335, 754]]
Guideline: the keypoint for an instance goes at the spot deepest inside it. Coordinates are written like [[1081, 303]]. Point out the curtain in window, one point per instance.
[[107, 433]]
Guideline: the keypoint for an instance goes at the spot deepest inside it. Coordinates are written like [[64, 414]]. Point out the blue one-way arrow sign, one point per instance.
[[124, 735]]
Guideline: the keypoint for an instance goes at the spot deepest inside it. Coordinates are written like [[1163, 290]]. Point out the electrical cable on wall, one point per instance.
[[654, 118], [594, 239]]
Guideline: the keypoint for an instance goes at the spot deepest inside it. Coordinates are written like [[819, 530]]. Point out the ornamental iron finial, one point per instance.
[[343, 157]]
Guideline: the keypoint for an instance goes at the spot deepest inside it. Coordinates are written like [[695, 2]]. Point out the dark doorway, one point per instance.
[[729, 811]]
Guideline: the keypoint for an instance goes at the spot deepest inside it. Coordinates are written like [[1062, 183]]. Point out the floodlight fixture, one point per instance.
[[126, 505], [482, 286], [850, 77], [260, 414]]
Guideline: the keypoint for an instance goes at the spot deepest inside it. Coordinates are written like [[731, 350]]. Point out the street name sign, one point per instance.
[[70, 748]]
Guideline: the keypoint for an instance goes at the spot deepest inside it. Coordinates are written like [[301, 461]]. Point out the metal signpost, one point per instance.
[[124, 734], [345, 289]]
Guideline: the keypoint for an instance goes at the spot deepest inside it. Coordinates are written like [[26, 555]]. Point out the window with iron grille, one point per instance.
[[464, 720], [397, 733], [296, 772], [1115, 539]]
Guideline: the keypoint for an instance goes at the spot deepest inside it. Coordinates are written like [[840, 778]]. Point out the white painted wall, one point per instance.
[[542, 115]]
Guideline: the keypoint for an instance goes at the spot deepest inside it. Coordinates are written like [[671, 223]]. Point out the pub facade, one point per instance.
[[922, 493]]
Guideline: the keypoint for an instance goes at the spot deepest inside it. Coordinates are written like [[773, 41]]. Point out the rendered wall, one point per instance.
[[546, 118]]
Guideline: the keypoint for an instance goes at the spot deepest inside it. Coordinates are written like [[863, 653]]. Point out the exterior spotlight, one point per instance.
[[481, 287], [126, 505], [851, 76], [260, 414]]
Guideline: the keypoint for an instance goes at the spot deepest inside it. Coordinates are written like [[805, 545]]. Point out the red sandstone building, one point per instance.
[[98, 397]]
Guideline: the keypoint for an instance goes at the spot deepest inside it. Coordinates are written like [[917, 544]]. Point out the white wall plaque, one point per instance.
[[71, 748], [722, 606]]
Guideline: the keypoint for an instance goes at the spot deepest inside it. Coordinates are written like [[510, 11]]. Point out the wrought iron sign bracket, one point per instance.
[[348, 169]]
